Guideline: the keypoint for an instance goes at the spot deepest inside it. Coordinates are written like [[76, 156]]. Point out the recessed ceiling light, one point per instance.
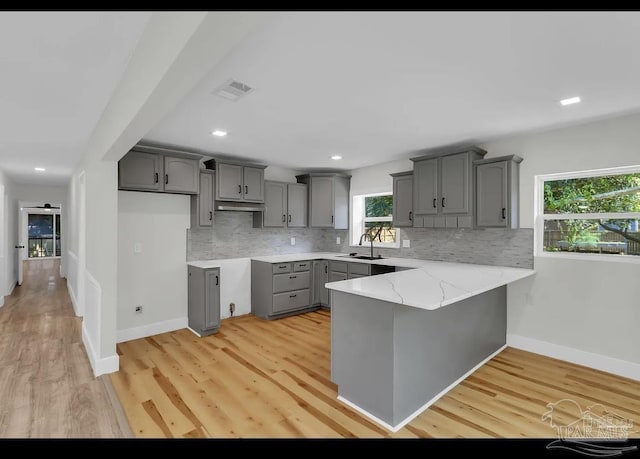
[[570, 100], [336, 157], [219, 133], [39, 169]]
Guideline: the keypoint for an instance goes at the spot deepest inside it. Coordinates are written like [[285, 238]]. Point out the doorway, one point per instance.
[[40, 233]]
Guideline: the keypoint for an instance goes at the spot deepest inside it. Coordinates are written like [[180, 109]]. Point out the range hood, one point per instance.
[[239, 206]]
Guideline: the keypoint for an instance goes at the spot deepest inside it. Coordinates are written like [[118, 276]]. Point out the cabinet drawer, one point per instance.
[[291, 281], [359, 268], [338, 266], [291, 300], [301, 266], [280, 268]]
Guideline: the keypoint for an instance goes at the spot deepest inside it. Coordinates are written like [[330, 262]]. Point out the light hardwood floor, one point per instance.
[[271, 379], [47, 388]]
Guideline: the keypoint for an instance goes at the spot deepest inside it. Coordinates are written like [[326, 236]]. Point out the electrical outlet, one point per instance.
[[293, 241], [232, 308], [338, 240], [406, 243], [138, 309], [137, 247]]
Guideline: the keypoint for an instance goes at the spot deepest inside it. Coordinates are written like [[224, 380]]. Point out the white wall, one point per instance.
[[376, 179], [8, 237], [156, 278], [572, 308], [280, 174]]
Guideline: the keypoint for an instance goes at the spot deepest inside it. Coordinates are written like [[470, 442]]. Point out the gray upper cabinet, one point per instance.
[[253, 184], [296, 205], [161, 170], [328, 199], [238, 182], [202, 203], [181, 175], [403, 199], [444, 189], [140, 171], [229, 179], [275, 200], [455, 184], [425, 187], [497, 192]]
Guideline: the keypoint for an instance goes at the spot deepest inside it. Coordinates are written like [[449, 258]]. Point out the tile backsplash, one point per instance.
[[233, 236]]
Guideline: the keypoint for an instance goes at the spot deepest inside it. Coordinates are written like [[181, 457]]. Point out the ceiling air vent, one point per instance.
[[233, 90]]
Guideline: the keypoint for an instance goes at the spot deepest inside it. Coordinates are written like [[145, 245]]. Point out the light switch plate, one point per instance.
[[338, 240], [293, 241], [137, 247], [406, 243]]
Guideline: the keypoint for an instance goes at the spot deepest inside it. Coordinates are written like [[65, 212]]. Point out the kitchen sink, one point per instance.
[[362, 257]]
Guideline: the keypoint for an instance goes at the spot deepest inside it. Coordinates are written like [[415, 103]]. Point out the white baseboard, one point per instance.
[[74, 301], [100, 366], [577, 356], [413, 415], [155, 328]]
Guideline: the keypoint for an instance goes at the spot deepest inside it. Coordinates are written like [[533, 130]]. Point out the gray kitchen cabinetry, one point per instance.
[[403, 199], [280, 289], [320, 278], [160, 170], [202, 203], [204, 300], [497, 191], [444, 189], [239, 182], [285, 206], [328, 199]]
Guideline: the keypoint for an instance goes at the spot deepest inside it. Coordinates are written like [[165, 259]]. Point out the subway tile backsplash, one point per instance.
[[234, 237]]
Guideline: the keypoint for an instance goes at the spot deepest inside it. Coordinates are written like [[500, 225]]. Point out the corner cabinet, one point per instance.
[[403, 199], [239, 182], [202, 203], [444, 189], [328, 199], [204, 300], [159, 170], [285, 206], [497, 191]]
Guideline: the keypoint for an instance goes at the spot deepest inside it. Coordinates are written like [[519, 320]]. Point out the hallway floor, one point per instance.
[[47, 388]]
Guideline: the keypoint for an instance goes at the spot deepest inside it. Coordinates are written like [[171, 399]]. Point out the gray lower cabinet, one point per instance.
[[403, 199], [280, 289], [141, 171], [204, 300], [320, 278], [497, 191], [202, 203]]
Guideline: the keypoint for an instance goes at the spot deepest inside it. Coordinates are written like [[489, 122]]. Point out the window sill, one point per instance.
[[596, 257]]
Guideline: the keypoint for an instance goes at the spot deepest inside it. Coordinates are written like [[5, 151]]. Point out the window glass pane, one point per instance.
[[40, 229], [380, 231], [619, 237], [611, 193], [378, 206]]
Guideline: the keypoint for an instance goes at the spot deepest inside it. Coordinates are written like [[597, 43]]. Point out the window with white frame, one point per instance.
[[591, 213], [373, 215]]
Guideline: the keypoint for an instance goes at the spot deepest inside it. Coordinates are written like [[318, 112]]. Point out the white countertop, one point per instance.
[[431, 285]]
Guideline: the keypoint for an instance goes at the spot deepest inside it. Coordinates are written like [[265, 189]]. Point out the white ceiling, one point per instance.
[[377, 86], [57, 73]]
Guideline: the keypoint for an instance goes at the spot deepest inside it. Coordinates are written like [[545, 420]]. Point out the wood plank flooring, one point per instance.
[[271, 379], [47, 387]]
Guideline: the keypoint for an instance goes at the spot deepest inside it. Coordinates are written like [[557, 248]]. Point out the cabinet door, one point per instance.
[[403, 200], [296, 205], [491, 194], [212, 299], [335, 276], [229, 178], [181, 175], [205, 200], [454, 177], [425, 187], [275, 200], [321, 202], [341, 202], [253, 180], [140, 171]]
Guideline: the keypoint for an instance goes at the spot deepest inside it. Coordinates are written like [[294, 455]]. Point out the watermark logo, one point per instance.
[[594, 431]]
